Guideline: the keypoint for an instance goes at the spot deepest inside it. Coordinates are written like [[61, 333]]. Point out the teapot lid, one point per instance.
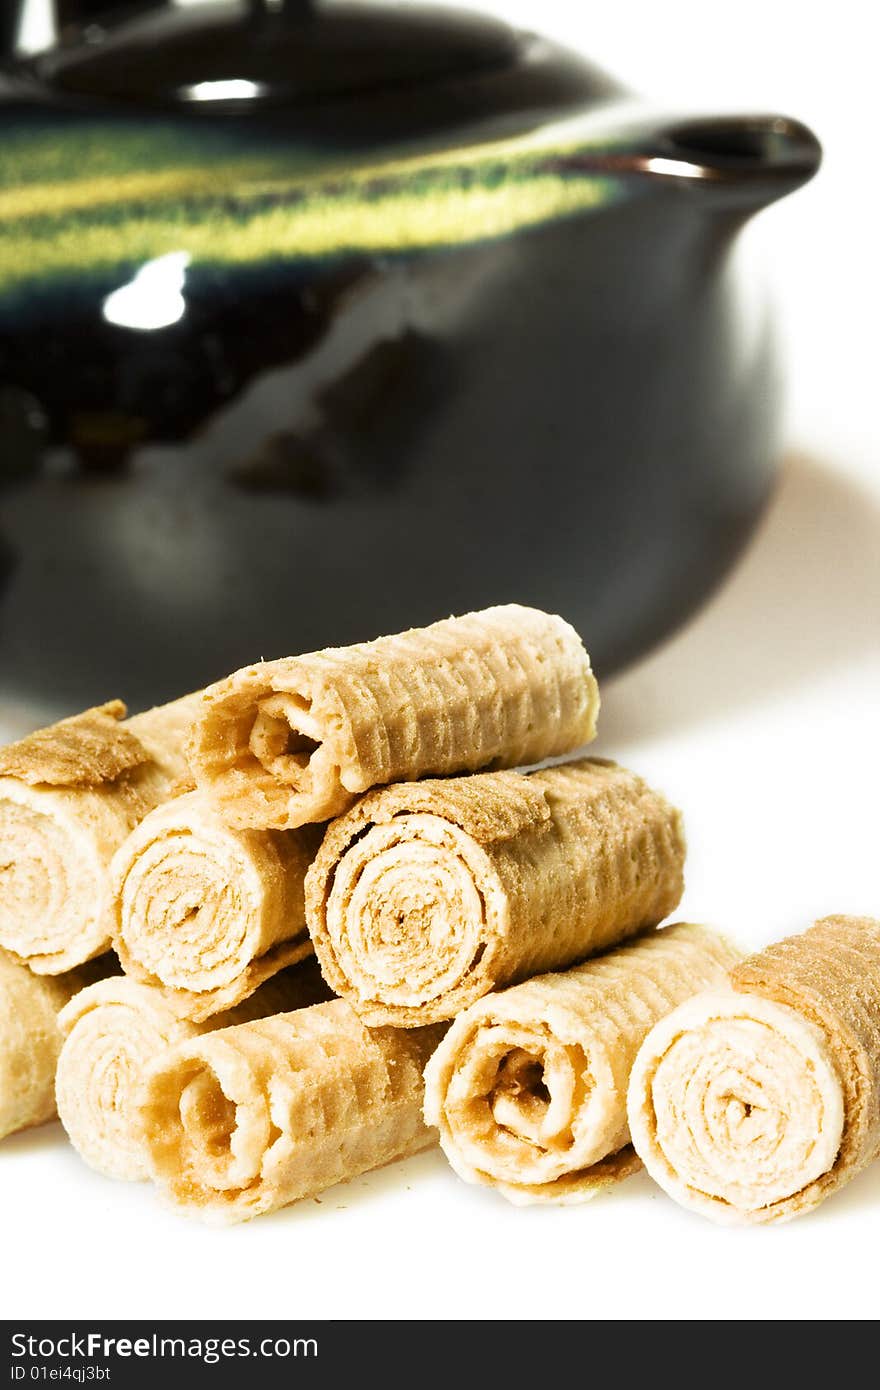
[[276, 53]]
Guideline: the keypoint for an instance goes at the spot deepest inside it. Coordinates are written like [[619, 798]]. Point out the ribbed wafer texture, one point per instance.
[[249, 1119], [205, 910], [30, 1040], [69, 796], [427, 895], [287, 742], [528, 1088], [756, 1103], [114, 1030]]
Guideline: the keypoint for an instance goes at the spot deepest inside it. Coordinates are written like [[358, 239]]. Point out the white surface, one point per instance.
[[760, 719]]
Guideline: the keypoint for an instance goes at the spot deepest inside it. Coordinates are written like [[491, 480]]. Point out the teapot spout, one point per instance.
[[742, 162]]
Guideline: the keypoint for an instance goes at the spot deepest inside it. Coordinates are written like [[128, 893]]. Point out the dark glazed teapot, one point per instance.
[[318, 321]]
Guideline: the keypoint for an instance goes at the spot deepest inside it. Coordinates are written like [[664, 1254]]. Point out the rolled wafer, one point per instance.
[[249, 1119], [30, 1040], [755, 1103], [287, 742], [113, 1030], [427, 895], [205, 910], [528, 1088], [69, 796]]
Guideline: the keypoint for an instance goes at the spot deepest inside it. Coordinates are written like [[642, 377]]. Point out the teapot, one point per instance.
[[322, 320]]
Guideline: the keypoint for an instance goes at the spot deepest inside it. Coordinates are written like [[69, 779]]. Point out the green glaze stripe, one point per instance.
[[258, 210]]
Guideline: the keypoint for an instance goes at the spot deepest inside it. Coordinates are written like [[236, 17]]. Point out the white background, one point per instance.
[[760, 719]]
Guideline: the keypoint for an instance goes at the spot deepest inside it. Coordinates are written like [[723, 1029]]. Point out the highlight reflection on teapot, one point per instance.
[[326, 320]]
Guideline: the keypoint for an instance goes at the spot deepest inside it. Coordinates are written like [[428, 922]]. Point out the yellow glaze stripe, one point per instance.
[[247, 211]]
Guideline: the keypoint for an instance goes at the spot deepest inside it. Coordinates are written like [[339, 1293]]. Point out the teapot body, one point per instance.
[[261, 392]]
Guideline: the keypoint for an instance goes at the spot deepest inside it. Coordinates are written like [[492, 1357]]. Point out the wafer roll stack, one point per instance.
[[427, 895], [208, 911], [528, 1088], [288, 742], [69, 796], [755, 1103], [114, 1030], [249, 1119], [30, 1040]]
